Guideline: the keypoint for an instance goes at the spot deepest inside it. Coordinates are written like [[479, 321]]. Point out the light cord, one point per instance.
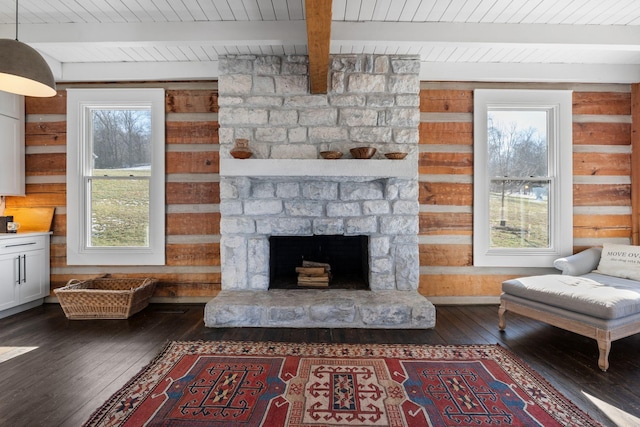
[[16, 20]]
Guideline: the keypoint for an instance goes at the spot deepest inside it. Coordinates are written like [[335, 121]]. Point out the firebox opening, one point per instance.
[[348, 257]]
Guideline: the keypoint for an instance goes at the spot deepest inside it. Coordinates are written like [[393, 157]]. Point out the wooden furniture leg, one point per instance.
[[604, 346], [501, 312]]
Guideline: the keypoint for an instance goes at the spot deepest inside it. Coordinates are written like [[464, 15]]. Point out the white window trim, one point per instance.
[[78, 103], [559, 102]]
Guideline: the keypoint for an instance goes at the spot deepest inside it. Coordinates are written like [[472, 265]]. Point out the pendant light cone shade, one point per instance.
[[24, 71]]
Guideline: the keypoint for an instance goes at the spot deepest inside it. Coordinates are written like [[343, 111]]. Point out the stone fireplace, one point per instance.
[[287, 190]]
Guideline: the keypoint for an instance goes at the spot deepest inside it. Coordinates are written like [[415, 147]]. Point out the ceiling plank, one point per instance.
[[465, 34], [148, 33], [318, 41]]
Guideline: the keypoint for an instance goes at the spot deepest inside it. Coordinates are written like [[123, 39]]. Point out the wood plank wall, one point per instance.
[[635, 164], [602, 195], [601, 173], [192, 270]]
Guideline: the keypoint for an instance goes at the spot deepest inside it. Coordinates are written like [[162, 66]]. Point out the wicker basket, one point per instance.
[[105, 298]]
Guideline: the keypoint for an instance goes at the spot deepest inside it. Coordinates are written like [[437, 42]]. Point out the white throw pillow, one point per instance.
[[620, 261]]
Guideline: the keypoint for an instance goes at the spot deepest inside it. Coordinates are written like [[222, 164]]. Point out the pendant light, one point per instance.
[[23, 70]]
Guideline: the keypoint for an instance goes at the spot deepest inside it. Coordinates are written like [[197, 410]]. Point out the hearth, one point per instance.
[[346, 255]]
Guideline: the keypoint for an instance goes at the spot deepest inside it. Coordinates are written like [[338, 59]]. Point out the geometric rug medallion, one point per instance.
[[321, 385]]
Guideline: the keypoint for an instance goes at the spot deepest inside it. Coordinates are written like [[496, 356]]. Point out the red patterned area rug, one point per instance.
[[312, 385]]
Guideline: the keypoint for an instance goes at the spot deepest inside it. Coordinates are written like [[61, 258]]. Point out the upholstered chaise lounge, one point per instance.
[[602, 303]]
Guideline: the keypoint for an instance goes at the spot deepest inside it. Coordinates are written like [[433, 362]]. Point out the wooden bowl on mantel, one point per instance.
[[331, 155], [240, 154], [396, 155], [363, 152]]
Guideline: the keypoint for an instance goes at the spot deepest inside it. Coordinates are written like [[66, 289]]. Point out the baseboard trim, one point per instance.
[[484, 300]]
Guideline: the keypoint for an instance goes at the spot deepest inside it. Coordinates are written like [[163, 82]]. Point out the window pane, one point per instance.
[[517, 143], [119, 212], [121, 147], [519, 214], [121, 139]]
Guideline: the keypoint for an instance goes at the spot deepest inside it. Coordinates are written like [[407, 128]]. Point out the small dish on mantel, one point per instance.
[[240, 154], [241, 149], [363, 152], [396, 156], [331, 155]]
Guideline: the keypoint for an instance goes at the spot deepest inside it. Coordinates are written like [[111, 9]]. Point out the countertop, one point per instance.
[[6, 236], [31, 219]]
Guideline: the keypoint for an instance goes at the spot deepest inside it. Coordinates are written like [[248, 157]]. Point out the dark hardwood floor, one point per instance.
[[79, 364]]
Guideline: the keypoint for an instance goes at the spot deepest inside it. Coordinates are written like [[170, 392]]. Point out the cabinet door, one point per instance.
[[11, 157], [8, 281], [33, 282], [11, 105]]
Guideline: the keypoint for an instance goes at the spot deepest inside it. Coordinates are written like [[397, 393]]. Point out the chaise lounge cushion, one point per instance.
[[601, 296], [620, 261], [581, 263]]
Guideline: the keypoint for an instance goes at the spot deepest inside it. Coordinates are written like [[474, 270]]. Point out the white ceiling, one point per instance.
[[481, 40]]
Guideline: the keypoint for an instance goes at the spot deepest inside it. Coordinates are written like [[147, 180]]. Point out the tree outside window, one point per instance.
[[519, 189]]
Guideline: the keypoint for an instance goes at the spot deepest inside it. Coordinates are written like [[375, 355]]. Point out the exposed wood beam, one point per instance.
[[552, 73], [635, 163], [67, 42], [318, 42], [403, 34]]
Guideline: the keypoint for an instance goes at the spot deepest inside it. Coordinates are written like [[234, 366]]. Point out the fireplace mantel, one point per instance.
[[406, 168]]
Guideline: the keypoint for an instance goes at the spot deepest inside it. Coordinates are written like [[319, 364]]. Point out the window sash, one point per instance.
[[90, 211], [80, 103], [559, 158], [520, 217]]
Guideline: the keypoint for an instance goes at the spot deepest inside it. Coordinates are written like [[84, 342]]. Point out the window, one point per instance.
[[115, 177], [522, 177]]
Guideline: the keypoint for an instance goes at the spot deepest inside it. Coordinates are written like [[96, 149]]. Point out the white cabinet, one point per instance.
[[11, 105], [24, 272], [12, 173], [8, 289]]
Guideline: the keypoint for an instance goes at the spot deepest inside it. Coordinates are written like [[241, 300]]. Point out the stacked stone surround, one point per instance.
[[386, 210], [373, 100]]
